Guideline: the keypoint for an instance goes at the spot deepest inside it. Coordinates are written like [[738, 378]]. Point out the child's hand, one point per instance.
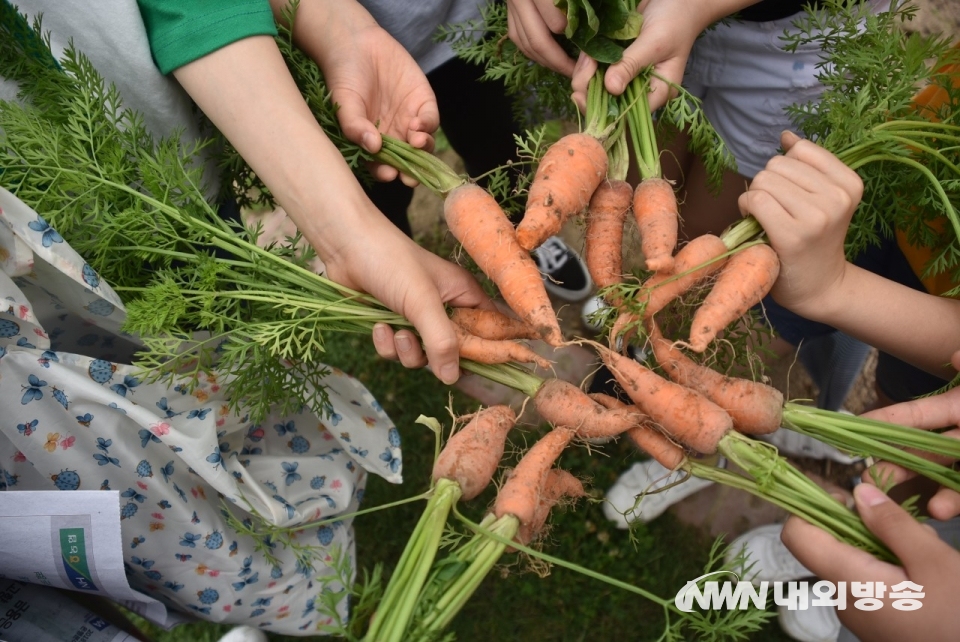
[[927, 560], [928, 413], [804, 200], [531, 25]]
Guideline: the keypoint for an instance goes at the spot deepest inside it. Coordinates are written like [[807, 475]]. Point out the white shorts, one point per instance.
[[746, 81]]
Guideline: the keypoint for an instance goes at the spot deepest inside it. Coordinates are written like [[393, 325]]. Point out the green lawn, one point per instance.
[[517, 604]]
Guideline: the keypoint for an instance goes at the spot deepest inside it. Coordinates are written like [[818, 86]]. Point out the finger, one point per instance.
[[926, 414], [553, 17], [383, 341], [955, 360], [768, 211], [584, 70], [830, 559], [896, 528], [384, 173], [799, 173], [788, 139], [944, 505], [357, 127], [427, 118], [438, 336], [409, 350], [828, 163], [528, 31]]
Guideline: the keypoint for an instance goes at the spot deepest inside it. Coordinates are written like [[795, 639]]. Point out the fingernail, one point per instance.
[[379, 333], [403, 343], [449, 373], [870, 495], [367, 141], [580, 60]]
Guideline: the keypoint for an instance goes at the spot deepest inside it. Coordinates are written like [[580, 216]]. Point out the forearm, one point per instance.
[[919, 328], [247, 92], [321, 25]]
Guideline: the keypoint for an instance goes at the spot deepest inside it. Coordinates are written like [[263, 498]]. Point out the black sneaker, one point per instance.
[[564, 272]]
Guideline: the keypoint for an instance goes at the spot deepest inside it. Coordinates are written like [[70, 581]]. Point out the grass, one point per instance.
[[516, 603]]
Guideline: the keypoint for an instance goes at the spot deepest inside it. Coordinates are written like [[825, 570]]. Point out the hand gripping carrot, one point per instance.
[[565, 179], [655, 209], [683, 414], [603, 239], [471, 456], [755, 408], [492, 324], [745, 279]]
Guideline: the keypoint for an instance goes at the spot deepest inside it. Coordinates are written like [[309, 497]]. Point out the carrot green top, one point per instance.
[[180, 31]]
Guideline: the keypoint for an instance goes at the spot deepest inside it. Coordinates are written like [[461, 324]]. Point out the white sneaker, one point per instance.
[[789, 442], [244, 634], [767, 558], [622, 506], [590, 308], [813, 624]]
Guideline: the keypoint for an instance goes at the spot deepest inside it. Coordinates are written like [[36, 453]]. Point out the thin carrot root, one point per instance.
[[478, 223], [559, 484], [603, 240], [520, 494], [655, 209], [564, 404], [489, 351], [566, 178], [755, 408], [471, 456], [746, 278], [492, 324], [681, 413], [646, 437]]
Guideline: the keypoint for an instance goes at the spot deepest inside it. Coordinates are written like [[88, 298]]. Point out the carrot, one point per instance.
[[746, 278], [520, 495], [489, 351], [564, 404], [566, 178], [559, 484], [492, 324], [478, 223], [657, 215], [646, 437], [695, 261], [755, 408], [471, 456], [681, 413], [603, 241]]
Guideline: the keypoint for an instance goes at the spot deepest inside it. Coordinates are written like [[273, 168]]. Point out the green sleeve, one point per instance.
[[180, 31]]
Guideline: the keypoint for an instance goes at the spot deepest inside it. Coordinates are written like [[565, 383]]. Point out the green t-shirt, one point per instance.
[[180, 31]]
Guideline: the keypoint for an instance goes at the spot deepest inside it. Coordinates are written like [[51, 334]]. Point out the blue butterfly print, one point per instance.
[[195, 519], [104, 444], [190, 540], [137, 541], [61, 397], [392, 462], [32, 391], [253, 579], [89, 276], [335, 418], [173, 586], [215, 458], [105, 485], [376, 405], [85, 419], [183, 557], [393, 436], [199, 414], [23, 343], [114, 405], [350, 466], [129, 383], [164, 504], [49, 236], [162, 405], [246, 570], [146, 437], [167, 471], [47, 357], [180, 492], [359, 452], [27, 429], [290, 469], [270, 485], [262, 601], [291, 511], [283, 429], [146, 564], [103, 460], [133, 494], [153, 575]]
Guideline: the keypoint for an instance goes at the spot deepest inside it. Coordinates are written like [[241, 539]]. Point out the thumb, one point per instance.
[[357, 127], [788, 139], [909, 540]]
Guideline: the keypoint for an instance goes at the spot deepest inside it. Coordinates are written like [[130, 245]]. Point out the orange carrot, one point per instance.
[[520, 494], [566, 178], [477, 221], [683, 414], [471, 456], [745, 279], [755, 408], [559, 484], [695, 261], [655, 208], [646, 437], [489, 351], [492, 324], [603, 241], [564, 404]]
